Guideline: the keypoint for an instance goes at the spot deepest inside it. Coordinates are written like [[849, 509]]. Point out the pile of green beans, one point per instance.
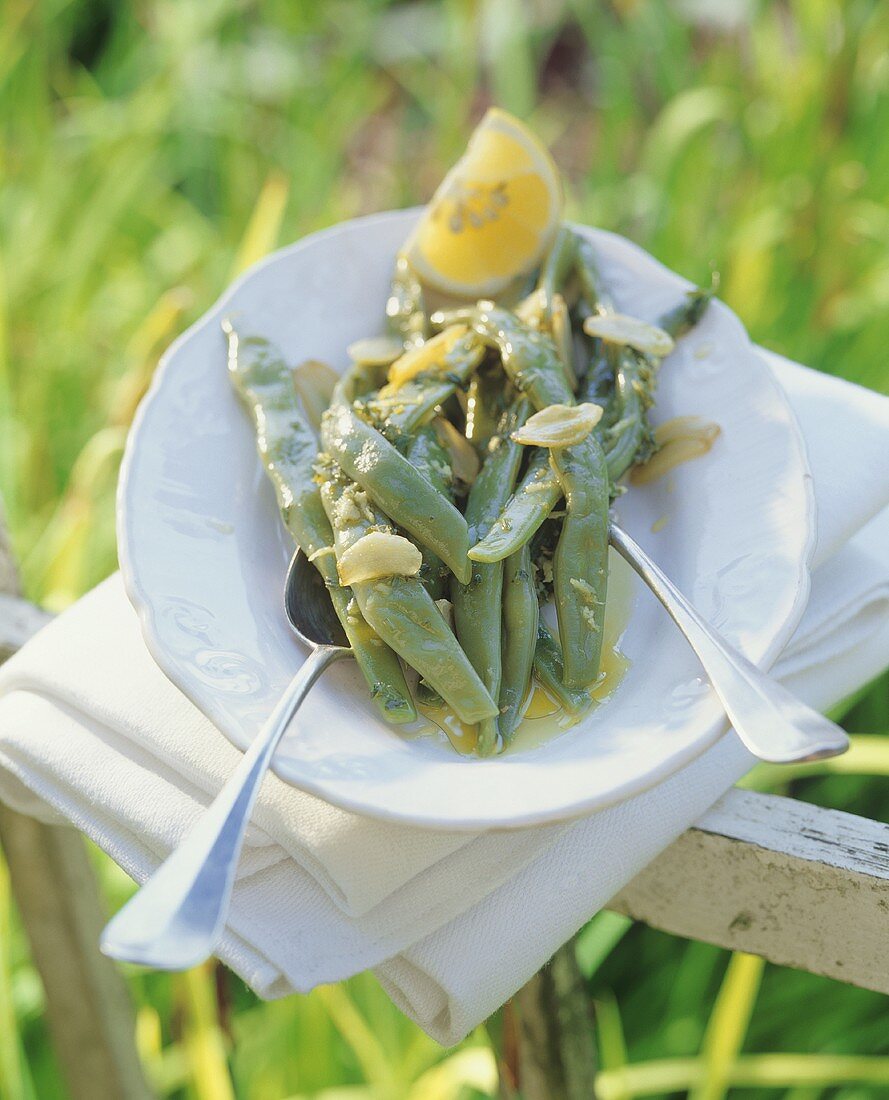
[[428, 454]]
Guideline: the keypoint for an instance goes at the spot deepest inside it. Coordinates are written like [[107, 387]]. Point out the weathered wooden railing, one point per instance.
[[758, 873]]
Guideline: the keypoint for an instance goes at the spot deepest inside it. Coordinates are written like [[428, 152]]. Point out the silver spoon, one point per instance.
[[177, 918], [772, 723]]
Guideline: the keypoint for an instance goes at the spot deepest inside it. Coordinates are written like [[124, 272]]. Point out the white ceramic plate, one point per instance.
[[203, 552]]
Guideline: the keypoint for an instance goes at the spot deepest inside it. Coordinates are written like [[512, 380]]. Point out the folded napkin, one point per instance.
[[452, 924]]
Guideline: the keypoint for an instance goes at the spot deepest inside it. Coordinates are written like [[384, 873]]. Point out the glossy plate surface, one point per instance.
[[204, 555]]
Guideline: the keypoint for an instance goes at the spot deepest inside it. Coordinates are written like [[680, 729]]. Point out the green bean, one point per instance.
[[426, 454], [399, 490], [534, 499], [676, 321], [357, 380], [586, 268], [628, 435], [598, 386], [528, 355], [401, 610], [626, 432], [478, 603], [487, 399], [557, 267], [520, 615], [405, 310], [549, 669], [626, 440], [287, 448], [286, 443], [580, 567], [398, 410], [629, 438], [428, 457]]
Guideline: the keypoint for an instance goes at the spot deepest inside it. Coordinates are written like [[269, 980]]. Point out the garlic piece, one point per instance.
[[428, 356], [376, 351], [559, 425], [619, 328], [379, 554]]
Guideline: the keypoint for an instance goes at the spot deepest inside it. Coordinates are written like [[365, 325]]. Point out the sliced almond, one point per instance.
[[619, 328], [379, 554], [376, 351], [559, 425]]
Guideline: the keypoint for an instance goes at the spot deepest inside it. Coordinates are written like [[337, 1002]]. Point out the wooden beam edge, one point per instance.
[[799, 885]]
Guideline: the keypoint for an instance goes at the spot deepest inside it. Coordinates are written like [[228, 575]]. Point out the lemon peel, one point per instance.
[[494, 214]]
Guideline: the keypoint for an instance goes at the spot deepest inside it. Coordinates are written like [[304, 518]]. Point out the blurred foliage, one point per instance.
[[150, 149]]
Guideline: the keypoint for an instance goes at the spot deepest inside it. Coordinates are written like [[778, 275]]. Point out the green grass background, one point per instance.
[[151, 149]]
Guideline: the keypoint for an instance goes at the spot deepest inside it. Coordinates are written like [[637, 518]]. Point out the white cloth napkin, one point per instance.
[[452, 924]]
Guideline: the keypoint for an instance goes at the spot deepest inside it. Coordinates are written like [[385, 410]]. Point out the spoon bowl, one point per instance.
[[308, 606]]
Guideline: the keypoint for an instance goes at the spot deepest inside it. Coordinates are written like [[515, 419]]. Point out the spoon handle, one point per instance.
[[176, 919], [772, 723]]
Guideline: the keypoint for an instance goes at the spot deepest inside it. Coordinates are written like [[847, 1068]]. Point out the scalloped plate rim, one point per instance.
[[172, 669]]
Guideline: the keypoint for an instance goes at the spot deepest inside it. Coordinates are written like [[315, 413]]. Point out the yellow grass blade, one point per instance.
[[868, 755], [612, 1043], [475, 1068], [766, 1071], [728, 1024], [261, 234], [354, 1029], [202, 1038]]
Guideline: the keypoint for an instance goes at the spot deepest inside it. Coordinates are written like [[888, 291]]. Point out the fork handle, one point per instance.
[[772, 723], [177, 918]]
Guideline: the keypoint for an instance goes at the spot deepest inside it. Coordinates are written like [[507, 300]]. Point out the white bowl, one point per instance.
[[203, 552]]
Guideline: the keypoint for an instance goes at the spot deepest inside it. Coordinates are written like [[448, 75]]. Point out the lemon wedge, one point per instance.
[[494, 214]]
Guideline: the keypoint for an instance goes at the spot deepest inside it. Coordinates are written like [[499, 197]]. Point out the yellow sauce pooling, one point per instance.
[[544, 718]]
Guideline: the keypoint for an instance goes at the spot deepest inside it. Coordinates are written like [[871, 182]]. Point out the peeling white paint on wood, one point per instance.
[[800, 885]]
